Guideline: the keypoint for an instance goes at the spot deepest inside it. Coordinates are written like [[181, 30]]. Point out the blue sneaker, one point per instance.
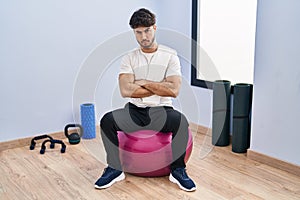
[[180, 177], [109, 177]]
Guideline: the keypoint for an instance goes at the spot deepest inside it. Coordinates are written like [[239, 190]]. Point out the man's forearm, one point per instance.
[[169, 87], [163, 89], [129, 88], [141, 92], [136, 91]]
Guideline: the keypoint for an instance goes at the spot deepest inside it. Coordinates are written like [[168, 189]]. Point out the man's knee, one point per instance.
[[184, 120], [178, 118], [106, 120]]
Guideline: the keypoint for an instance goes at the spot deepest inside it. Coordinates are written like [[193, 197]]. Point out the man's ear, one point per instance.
[[154, 27]]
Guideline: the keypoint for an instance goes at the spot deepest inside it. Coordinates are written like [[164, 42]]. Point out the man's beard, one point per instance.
[[147, 46]]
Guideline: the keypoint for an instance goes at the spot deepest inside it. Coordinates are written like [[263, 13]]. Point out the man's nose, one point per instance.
[[144, 35]]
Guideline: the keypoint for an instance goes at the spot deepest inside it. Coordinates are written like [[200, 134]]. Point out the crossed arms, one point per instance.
[[129, 87]]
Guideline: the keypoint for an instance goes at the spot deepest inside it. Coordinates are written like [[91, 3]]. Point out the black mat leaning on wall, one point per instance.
[[242, 103], [221, 113]]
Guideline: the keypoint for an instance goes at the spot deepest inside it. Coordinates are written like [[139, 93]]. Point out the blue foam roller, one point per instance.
[[88, 124]]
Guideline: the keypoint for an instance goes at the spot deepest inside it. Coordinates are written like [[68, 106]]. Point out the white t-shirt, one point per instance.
[[153, 67]]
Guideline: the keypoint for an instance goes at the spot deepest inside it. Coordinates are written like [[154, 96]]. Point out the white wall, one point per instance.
[[43, 45], [46, 47], [276, 101]]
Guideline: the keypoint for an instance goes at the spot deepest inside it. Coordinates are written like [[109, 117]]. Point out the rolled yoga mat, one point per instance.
[[242, 103], [221, 113], [88, 124]]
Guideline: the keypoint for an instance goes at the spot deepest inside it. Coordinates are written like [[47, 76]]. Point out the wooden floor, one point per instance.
[[218, 173]]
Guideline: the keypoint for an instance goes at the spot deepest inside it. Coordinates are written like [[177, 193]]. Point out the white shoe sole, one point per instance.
[[174, 180], [119, 178]]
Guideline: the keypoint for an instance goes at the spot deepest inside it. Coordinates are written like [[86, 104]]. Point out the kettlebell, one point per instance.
[[74, 138]]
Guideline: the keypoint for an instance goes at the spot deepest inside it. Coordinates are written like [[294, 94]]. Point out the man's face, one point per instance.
[[145, 36]]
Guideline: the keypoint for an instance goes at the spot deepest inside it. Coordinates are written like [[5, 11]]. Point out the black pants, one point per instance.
[[132, 118]]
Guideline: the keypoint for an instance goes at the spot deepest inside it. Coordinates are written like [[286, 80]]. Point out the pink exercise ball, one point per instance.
[[148, 153]]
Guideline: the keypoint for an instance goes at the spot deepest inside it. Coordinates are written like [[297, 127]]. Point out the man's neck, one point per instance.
[[150, 49]]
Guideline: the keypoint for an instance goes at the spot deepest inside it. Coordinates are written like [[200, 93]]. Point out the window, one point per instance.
[[223, 33]]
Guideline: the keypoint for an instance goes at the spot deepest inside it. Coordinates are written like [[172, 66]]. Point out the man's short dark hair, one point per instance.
[[142, 18]]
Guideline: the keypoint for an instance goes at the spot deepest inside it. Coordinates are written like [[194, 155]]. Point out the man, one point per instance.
[[150, 76]]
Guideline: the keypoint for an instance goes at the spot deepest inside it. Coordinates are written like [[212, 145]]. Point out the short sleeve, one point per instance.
[[174, 67], [126, 65]]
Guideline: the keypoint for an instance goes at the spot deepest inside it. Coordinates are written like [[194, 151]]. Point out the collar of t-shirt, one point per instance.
[[148, 56]]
